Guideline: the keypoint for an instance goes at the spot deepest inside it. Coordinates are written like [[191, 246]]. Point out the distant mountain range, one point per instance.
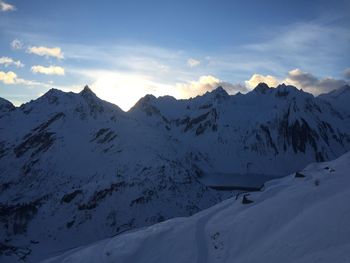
[[75, 169]]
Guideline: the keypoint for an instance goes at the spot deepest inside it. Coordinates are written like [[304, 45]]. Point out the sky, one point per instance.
[[126, 49]]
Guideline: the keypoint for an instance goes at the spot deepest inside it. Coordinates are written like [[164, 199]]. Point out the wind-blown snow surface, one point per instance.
[[75, 169], [294, 219]]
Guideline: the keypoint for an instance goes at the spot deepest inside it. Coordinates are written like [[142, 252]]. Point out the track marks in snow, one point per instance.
[[200, 234]]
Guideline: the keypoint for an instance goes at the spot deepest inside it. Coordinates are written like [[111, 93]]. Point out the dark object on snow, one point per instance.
[[245, 200], [299, 175], [233, 188]]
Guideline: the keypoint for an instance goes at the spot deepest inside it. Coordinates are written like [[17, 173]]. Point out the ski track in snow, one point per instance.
[[201, 239]]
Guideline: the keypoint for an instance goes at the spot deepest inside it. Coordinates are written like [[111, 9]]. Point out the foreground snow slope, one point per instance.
[[294, 219]]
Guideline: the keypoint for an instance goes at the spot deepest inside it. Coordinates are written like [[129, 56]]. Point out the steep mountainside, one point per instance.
[[75, 169], [339, 98], [5, 106], [301, 218], [256, 133]]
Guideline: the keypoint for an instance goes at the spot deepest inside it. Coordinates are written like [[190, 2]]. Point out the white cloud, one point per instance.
[[201, 86], [301, 80], [8, 77], [191, 62], [51, 70], [16, 44], [5, 7], [205, 84], [147, 69], [6, 61], [311, 83], [11, 78], [46, 51], [271, 81]]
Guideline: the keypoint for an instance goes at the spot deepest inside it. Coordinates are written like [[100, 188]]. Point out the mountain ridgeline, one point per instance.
[[75, 169]]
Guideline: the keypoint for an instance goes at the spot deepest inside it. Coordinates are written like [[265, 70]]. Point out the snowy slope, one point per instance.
[[339, 98], [5, 107], [294, 219], [75, 169]]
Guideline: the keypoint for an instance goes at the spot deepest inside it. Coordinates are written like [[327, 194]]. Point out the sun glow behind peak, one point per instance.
[[124, 89]]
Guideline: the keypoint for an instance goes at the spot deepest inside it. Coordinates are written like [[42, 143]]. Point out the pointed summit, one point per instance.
[[52, 96], [261, 88], [6, 105], [289, 87], [53, 92], [218, 93], [284, 90], [220, 90], [87, 92]]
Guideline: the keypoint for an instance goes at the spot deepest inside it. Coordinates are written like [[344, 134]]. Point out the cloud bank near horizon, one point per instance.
[[122, 73]]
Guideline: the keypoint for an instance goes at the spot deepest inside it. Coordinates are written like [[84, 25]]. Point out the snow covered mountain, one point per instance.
[[256, 133], [339, 98], [5, 106], [303, 217], [75, 169]]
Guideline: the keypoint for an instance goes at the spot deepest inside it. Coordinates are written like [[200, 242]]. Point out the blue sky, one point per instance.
[[126, 49]]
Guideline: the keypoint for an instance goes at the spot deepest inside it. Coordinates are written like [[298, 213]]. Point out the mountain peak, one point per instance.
[[53, 92], [89, 96], [338, 92], [87, 92], [218, 93], [6, 105], [220, 90], [287, 87], [262, 88], [52, 96]]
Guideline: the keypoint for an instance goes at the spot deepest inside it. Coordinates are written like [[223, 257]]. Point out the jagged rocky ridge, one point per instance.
[[75, 169]]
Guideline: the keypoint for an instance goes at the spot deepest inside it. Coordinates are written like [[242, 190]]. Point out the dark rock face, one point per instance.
[[16, 217], [299, 135], [67, 198], [201, 123], [40, 140], [21, 253], [104, 135], [46, 124], [98, 196], [246, 200], [36, 143], [3, 149], [299, 175]]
